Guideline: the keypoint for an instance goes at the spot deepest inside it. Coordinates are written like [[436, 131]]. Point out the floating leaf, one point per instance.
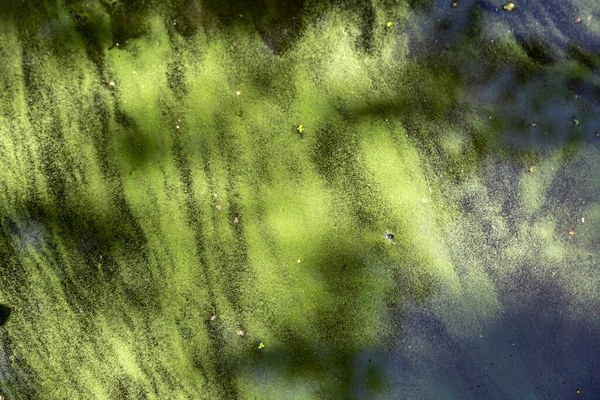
[[510, 6], [300, 128]]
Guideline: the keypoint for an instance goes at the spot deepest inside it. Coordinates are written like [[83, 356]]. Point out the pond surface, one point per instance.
[[300, 199]]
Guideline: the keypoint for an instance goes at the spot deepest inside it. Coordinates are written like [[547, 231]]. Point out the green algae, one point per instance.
[[119, 200]]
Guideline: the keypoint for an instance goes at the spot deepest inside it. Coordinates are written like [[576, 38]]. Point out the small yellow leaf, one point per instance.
[[510, 6], [261, 345], [389, 24]]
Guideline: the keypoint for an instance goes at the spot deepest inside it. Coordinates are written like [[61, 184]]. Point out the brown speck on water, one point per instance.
[[281, 209]]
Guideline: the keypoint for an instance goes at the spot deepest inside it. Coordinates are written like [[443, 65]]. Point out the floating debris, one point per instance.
[[510, 6], [532, 169], [572, 233], [240, 332], [261, 345], [214, 317], [577, 20], [236, 220], [454, 4], [219, 207], [111, 83], [553, 272]]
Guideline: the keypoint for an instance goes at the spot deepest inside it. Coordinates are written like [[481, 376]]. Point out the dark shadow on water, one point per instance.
[[4, 314]]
